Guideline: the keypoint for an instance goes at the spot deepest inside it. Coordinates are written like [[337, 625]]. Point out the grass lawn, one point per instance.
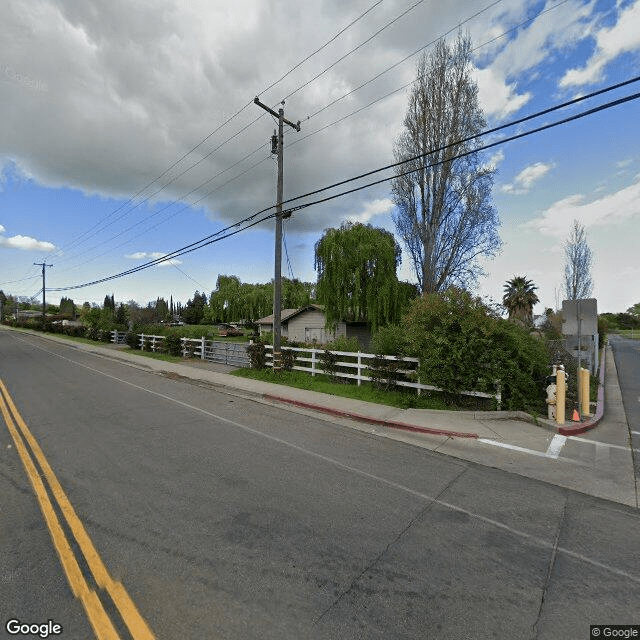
[[366, 392]]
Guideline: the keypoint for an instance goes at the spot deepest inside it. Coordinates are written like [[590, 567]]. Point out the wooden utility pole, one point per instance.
[[277, 281], [43, 265]]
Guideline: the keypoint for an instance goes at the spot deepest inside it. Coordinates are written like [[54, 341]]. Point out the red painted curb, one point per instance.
[[385, 423], [583, 427]]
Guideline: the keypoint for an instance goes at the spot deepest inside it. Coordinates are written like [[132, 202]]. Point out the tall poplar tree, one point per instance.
[[444, 214]]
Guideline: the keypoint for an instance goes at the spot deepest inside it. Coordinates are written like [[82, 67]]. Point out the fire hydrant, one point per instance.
[[555, 395], [551, 400]]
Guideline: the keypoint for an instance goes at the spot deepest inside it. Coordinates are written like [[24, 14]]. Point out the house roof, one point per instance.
[[287, 314]]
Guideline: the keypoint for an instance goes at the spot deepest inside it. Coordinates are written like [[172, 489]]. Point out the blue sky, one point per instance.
[[98, 99]]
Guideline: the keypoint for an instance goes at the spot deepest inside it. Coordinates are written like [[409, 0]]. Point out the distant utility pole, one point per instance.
[[44, 289], [277, 281]]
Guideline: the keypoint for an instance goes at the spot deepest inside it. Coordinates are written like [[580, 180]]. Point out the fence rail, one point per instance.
[[230, 353], [362, 363], [357, 367]]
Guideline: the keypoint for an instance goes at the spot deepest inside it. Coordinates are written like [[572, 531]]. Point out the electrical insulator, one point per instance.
[[274, 143]]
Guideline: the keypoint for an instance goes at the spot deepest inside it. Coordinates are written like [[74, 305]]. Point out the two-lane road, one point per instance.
[[627, 356], [221, 517]]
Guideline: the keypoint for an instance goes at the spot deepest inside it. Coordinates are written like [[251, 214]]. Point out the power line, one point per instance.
[[183, 196], [197, 146], [583, 114], [509, 124], [218, 237]]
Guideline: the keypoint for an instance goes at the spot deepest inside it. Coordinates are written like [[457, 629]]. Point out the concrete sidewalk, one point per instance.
[[512, 441]]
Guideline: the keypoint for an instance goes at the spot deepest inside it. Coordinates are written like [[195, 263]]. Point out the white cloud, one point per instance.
[[523, 182], [533, 44], [25, 243], [610, 209], [611, 42], [380, 206], [153, 255], [497, 97]]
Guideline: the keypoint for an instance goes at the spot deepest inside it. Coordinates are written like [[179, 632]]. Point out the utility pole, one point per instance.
[[277, 280], [43, 265]]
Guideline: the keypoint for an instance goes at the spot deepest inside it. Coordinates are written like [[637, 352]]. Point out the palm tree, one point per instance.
[[519, 298]]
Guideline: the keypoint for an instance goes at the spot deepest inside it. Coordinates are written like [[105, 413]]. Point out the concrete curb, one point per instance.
[[360, 418], [587, 425]]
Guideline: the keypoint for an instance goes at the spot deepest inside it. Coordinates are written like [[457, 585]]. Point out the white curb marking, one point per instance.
[[555, 446]]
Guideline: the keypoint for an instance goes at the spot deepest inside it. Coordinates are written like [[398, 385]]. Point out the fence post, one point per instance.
[[202, 348], [141, 338], [184, 346], [313, 362], [359, 368], [114, 337]]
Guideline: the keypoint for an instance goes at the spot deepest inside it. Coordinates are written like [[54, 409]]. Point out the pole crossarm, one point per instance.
[[275, 114]]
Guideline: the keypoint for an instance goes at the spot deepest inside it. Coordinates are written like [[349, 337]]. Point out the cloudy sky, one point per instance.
[[128, 130]]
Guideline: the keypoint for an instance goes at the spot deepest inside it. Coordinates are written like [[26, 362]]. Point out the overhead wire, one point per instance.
[[197, 146], [182, 197], [218, 237]]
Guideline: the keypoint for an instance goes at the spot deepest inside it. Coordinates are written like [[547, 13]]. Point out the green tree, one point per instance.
[[463, 345], [442, 192], [519, 298], [357, 280], [121, 315], [634, 310], [3, 302], [67, 307], [193, 312]]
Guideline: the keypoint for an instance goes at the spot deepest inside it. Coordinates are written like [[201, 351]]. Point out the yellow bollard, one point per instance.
[[584, 381], [560, 395]]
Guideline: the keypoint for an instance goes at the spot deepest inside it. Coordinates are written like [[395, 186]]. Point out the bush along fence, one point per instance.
[[230, 353], [384, 371], [388, 372]]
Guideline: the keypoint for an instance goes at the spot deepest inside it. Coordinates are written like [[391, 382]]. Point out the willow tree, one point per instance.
[[442, 191], [357, 280]]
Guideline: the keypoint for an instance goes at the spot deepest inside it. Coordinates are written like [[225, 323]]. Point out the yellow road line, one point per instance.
[[98, 618], [136, 624]]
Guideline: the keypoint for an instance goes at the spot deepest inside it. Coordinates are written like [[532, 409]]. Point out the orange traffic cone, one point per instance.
[[576, 417]]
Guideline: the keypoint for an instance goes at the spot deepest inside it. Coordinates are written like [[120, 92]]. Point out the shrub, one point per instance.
[[341, 343], [288, 359], [464, 346], [390, 341], [132, 340], [173, 344], [329, 364], [385, 373], [257, 354]]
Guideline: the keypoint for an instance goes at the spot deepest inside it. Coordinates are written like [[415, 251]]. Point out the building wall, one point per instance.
[[307, 326], [268, 328]]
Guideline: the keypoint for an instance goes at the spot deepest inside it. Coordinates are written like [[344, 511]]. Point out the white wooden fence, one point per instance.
[[231, 353], [361, 363], [306, 360]]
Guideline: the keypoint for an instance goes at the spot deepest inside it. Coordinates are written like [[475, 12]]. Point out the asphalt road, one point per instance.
[[227, 518], [627, 356]]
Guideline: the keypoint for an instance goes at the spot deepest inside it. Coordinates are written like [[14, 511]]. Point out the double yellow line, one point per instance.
[[30, 454]]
